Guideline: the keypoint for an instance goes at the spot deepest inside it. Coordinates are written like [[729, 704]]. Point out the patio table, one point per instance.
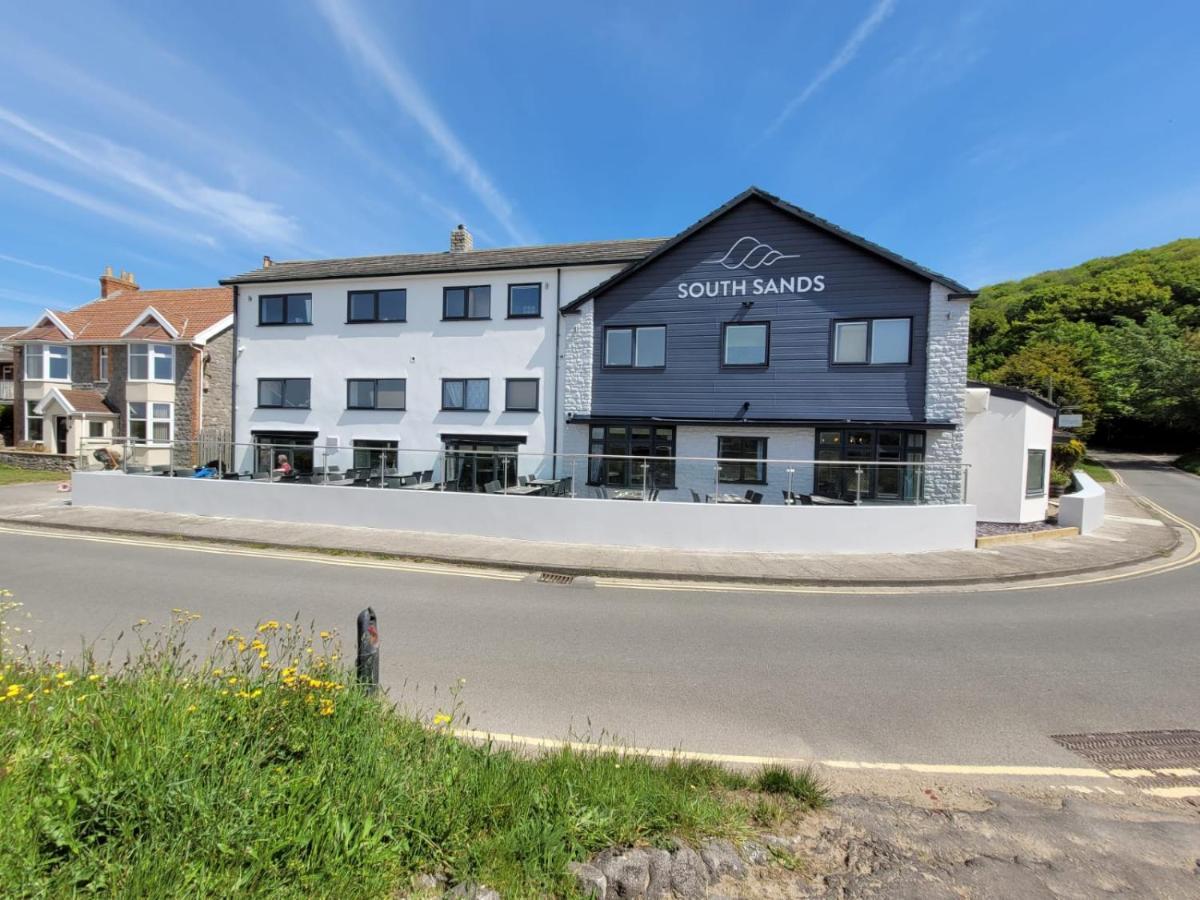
[[343, 482], [628, 494], [420, 486], [732, 498], [523, 489]]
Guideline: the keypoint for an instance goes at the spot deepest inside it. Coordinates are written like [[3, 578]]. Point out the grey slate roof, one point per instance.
[[543, 256]]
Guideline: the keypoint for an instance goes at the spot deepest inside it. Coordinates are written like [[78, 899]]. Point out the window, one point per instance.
[[150, 422], [891, 464], [643, 347], [377, 306], [521, 394], [101, 364], [47, 362], [1035, 473], [465, 393], [34, 424], [295, 446], [375, 393], [470, 465], [285, 309], [874, 342], [284, 393], [467, 302], [524, 301], [95, 429], [745, 344], [151, 362], [653, 449], [742, 460], [375, 455]]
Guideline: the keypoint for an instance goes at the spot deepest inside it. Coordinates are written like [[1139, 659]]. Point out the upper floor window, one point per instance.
[[641, 347], [467, 302], [465, 394], [872, 342], [375, 393], [285, 309], [745, 343], [525, 301], [521, 395], [377, 306], [102, 364], [151, 362], [47, 362], [284, 393]]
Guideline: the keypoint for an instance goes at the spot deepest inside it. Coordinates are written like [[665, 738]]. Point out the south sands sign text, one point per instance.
[[752, 287]]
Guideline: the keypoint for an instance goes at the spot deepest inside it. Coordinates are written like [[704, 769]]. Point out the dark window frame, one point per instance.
[[282, 394], [668, 460], [375, 381], [525, 284], [759, 462], [466, 317], [633, 366], [464, 407], [765, 364], [375, 320], [537, 395], [913, 448], [286, 298], [869, 321], [1029, 453]]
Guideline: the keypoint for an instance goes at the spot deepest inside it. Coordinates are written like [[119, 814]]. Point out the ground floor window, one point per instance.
[[472, 465], [653, 449], [295, 446], [95, 429], [376, 455], [742, 460], [870, 446], [150, 422], [34, 424], [1035, 473]]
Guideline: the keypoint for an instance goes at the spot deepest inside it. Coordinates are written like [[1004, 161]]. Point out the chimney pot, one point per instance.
[[111, 284], [461, 240], [267, 261]]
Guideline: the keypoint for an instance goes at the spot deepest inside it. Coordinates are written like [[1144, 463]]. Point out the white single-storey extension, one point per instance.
[[1008, 438]]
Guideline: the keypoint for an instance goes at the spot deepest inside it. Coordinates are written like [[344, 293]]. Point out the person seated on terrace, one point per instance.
[[283, 468]]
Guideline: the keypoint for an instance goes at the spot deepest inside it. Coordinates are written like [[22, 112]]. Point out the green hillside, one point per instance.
[[1117, 336]]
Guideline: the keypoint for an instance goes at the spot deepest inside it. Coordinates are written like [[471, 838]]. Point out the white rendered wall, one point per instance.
[[423, 350], [995, 446], [1084, 508], [673, 526]]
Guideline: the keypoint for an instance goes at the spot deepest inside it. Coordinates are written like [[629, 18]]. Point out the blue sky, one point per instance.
[[182, 141]]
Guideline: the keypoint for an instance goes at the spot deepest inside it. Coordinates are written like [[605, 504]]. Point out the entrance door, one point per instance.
[[470, 465], [60, 434]]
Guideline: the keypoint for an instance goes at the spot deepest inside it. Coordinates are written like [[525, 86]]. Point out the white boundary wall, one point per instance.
[[672, 526], [1085, 507]]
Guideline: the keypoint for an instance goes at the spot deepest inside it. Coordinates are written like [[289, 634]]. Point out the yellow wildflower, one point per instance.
[[93, 677], [326, 707], [325, 635], [60, 675], [232, 679], [270, 625], [441, 719], [192, 708]]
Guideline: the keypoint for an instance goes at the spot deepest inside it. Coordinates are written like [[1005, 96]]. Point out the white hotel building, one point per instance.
[[761, 335]]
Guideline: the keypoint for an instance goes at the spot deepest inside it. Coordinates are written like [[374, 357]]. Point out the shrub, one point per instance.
[[802, 784]]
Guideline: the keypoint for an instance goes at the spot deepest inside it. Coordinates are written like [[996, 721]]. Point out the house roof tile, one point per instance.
[[190, 311]]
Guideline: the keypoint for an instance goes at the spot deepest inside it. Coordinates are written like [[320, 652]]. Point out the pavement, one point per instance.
[[1133, 536]]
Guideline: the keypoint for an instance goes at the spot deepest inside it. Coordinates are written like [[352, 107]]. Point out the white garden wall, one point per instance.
[[674, 526]]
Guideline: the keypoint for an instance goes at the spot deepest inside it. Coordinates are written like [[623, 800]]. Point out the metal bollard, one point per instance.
[[367, 663]]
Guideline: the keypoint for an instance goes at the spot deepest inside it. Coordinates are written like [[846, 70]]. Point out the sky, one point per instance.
[[183, 141]]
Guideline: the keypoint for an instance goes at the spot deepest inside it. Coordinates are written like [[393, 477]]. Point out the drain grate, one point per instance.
[[1153, 758], [555, 578]]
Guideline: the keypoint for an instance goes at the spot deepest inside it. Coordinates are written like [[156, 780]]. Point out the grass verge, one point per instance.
[[1189, 462], [259, 770], [13, 475], [1097, 470]]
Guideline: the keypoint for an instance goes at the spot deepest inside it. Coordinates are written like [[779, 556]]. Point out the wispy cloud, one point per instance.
[[29, 264], [32, 300], [879, 12], [111, 211], [232, 211], [361, 46]]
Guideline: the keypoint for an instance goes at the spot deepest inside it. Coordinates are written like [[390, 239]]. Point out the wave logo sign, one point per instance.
[[751, 253]]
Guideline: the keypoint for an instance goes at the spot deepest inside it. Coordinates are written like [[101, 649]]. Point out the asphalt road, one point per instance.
[[974, 678]]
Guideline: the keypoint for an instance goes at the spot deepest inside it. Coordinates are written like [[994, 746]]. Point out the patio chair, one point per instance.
[[303, 479], [696, 497], [523, 480], [754, 497], [406, 480], [653, 494], [230, 476], [425, 476], [492, 487]]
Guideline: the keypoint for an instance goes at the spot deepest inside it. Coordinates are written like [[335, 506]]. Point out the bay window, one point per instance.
[[47, 362], [150, 422], [151, 362]]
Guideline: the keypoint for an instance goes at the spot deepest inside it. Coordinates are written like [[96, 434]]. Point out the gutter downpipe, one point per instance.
[[557, 370], [233, 389]]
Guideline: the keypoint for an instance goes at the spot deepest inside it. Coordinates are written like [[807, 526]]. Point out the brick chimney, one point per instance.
[[114, 284], [461, 240]]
